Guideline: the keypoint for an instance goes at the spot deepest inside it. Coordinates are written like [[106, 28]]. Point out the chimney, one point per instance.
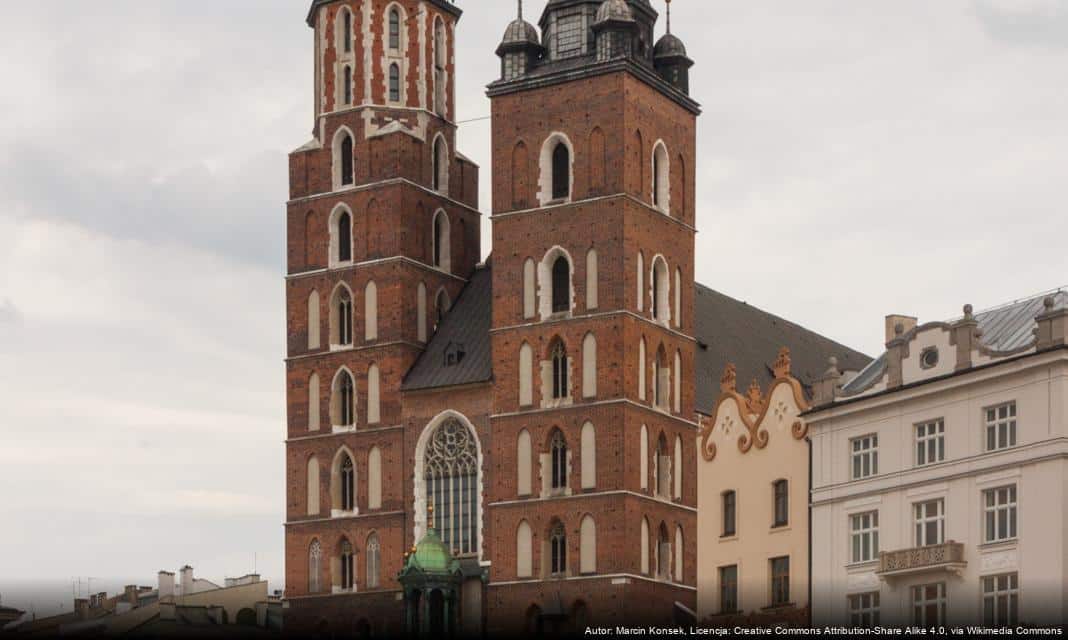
[[166, 585], [187, 580], [81, 607], [907, 323], [1052, 325], [129, 593]]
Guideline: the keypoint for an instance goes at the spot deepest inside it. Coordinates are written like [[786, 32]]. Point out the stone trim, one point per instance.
[[573, 203], [384, 183], [592, 494], [595, 316], [587, 405], [350, 266]]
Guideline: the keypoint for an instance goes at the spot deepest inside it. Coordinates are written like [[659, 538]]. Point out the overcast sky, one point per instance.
[[855, 158]]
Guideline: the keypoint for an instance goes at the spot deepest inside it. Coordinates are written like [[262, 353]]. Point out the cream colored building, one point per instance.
[[940, 474], [752, 522]]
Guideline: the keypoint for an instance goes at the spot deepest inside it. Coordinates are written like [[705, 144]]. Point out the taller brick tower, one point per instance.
[[383, 232], [593, 418]]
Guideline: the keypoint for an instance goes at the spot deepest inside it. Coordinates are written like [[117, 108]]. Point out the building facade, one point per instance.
[[940, 482], [543, 406], [752, 503]]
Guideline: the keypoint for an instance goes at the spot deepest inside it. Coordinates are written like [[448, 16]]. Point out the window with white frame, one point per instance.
[[864, 609], [930, 519], [1001, 600], [865, 456], [1001, 426], [999, 514], [930, 442], [864, 536], [929, 604]]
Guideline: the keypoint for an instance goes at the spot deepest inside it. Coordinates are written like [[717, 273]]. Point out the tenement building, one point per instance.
[[509, 444], [940, 474]]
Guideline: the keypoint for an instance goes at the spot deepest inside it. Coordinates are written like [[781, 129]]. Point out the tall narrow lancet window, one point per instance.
[[346, 36], [394, 29], [343, 315], [558, 550], [373, 561], [441, 159], [346, 83], [394, 82], [346, 160], [560, 371], [344, 238], [440, 56], [561, 285], [558, 458], [348, 484], [344, 401], [451, 477], [347, 566], [561, 172], [661, 178], [315, 567], [663, 554], [442, 249]]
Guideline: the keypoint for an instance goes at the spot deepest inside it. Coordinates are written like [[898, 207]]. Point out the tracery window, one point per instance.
[[348, 484], [559, 361], [394, 82], [451, 476], [346, 398], [344, 314], [558, 544], [558, 454], [347, 579], [315, 564], [373, 561], [394, 29]]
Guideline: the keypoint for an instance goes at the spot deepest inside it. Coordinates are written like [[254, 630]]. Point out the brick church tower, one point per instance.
[[383, 231], [592, 331]]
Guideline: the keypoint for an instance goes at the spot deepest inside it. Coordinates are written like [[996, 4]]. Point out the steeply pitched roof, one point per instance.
[[728, 330], [467, 324]]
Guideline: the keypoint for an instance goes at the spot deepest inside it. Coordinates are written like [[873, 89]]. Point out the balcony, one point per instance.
[[948, 557]]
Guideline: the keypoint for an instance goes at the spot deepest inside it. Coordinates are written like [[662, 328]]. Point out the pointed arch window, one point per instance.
[[561, 285], [663, 468], [663, 554], [344, 238], [442, 249], [440, 55], [344, 401], [346, 83], [394, 82], [442, 305], [373, 561], [343, 315], [558, 550], [561, 172], [451, 477], [348, 483], [558, 457], [559, 364], [346, 35], [315, 567], [347, 565], [394, 29], [345, 160]]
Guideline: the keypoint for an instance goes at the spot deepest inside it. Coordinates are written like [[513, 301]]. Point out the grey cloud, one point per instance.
[[1025, 22]]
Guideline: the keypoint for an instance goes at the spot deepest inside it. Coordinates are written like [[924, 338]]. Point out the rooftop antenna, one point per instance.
[[520, 9]]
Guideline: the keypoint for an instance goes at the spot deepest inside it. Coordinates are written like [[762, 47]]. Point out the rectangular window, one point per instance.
[[782, 505], [929, 604], [999, 514], [729, 509], [864, 536], [930, 519], [1001, 426], [780, 581], [1001, 600], [865, 452], [930, 442], [728, 589], [864, 609]]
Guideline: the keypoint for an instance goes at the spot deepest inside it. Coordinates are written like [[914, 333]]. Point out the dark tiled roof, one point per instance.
[[728, 330], [466, 325]]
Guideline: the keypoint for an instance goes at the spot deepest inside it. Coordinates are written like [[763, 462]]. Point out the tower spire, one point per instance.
[[520, 9], [668, 13]]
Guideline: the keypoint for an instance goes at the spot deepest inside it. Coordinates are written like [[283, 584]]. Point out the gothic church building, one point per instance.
[[537, 413]]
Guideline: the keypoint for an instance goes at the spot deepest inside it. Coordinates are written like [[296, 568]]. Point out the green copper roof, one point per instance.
[[432, 556]]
